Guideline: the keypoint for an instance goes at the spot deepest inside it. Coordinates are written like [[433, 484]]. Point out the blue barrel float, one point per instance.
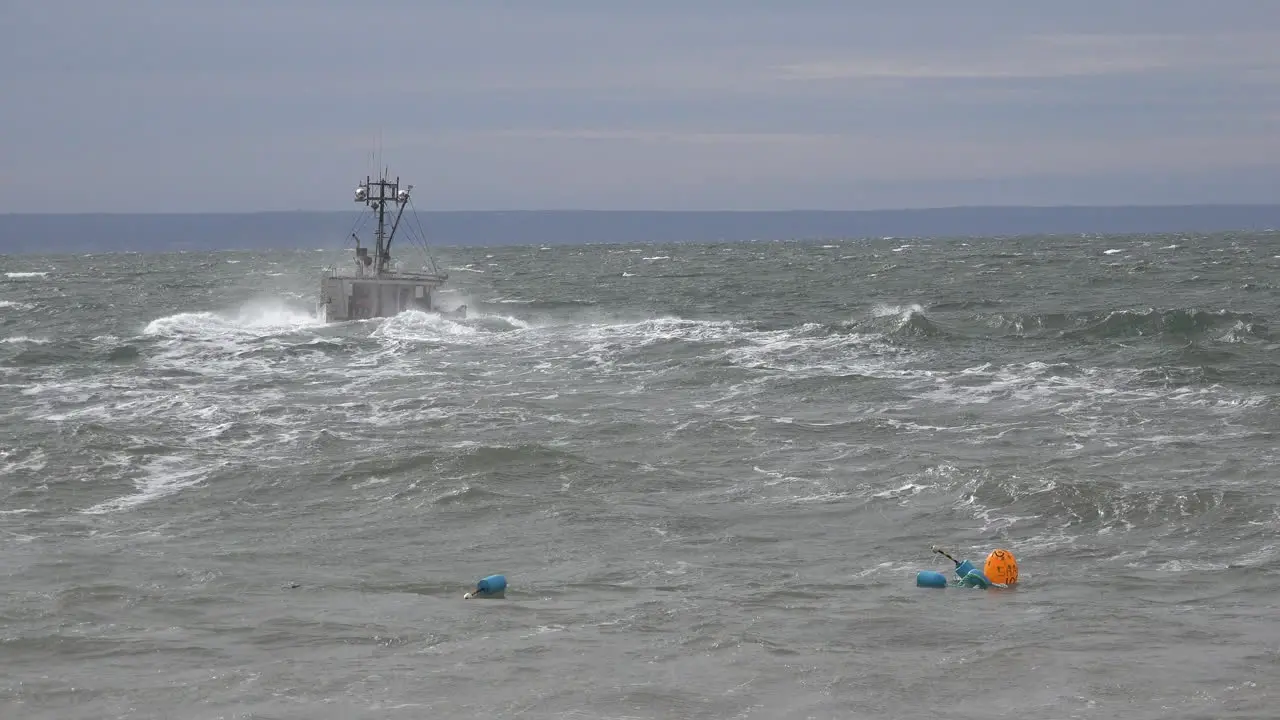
[[493, 586], [930, 579], [968, 574]]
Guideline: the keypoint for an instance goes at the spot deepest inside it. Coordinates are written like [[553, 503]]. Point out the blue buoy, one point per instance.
[[493, 586], [930, 579], [971, 576]]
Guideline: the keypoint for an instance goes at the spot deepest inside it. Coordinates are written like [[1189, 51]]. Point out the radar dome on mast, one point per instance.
[[403, 196], [362, 193]]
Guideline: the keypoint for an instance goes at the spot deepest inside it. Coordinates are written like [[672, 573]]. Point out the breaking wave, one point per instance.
[[1176, 324]]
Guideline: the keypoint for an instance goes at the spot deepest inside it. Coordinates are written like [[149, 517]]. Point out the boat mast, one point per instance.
[[376, 194]]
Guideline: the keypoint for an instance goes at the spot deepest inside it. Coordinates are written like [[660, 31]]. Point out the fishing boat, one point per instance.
[[375, 286]]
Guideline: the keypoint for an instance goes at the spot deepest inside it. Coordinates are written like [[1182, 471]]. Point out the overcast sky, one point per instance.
[[189, 105]]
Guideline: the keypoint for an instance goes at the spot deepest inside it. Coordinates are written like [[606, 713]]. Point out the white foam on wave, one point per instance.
[[25, 339], [902, 311], [213, 412], [893, 568], [645, 332], [903, 492], [1074, 391], [782, 488], [418, 325], [1263, 556], [108, 404], [255, 319], [161, 478], [595, 347], [228, 344], [14, 304], [1033, 383], [1182, 566], [960, 489], [25, 275], [12, 462], [809, 351]]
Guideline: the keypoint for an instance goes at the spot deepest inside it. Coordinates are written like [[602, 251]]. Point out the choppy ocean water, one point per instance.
[[709, 472]]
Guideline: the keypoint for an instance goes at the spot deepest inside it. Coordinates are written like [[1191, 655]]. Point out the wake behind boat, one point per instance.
[[377, 287]]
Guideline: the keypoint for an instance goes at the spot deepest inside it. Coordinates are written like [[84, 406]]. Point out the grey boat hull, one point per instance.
[[359, 298]]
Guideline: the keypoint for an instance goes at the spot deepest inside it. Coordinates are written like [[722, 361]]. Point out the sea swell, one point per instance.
[[689, 478]]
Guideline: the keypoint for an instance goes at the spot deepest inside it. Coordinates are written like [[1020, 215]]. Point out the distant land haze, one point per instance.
[[26, 233]]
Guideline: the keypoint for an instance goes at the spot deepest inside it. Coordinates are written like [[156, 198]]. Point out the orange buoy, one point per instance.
[[1001, 567]]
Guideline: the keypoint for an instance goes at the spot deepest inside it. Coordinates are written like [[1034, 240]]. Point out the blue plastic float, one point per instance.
[[493, 586]]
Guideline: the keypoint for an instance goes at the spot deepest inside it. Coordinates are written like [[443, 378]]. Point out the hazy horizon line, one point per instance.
[[682, 211]]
